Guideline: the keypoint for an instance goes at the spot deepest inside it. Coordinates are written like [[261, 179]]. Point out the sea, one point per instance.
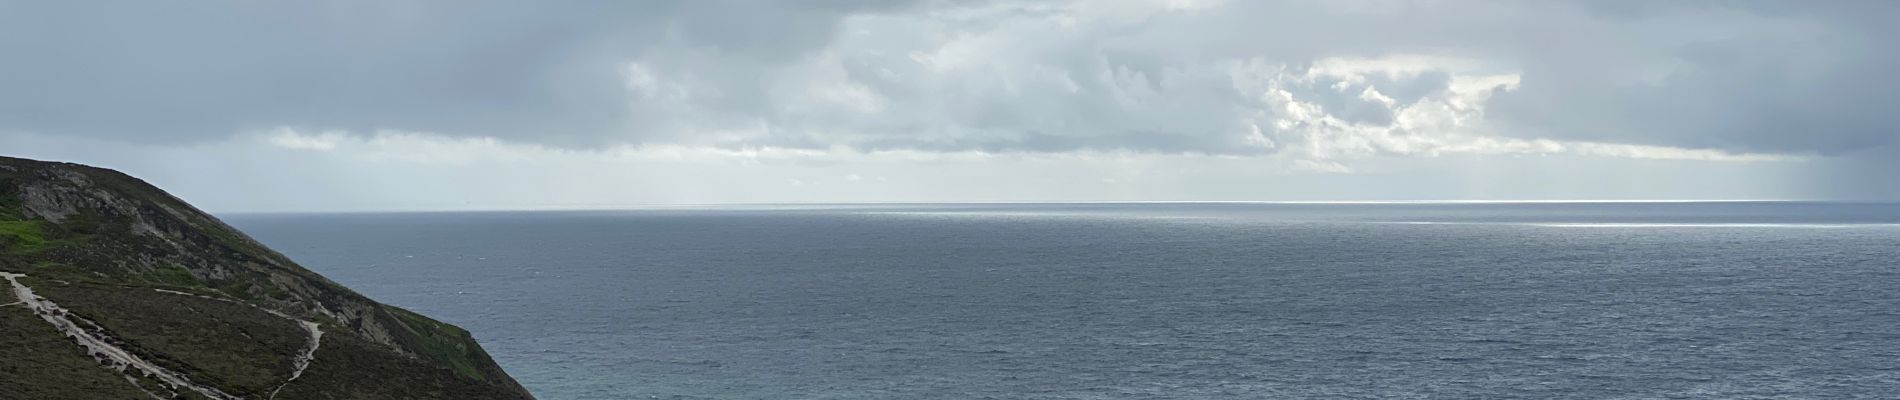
[[1544, 300]]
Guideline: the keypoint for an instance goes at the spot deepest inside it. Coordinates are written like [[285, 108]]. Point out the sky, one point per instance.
[[241, 106]]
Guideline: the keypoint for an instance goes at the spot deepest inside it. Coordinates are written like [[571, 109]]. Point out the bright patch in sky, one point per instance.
[[455, 105]]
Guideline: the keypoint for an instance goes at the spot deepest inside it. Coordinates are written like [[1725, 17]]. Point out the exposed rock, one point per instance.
[[99, 228]]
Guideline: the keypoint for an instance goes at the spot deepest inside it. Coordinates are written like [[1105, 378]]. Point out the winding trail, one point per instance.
[[99, 345], [301, 361]]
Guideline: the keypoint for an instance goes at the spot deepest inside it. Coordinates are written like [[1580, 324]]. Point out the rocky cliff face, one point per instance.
[[115, 289]]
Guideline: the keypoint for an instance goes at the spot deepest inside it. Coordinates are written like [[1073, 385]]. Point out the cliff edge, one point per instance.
[[114, 289]]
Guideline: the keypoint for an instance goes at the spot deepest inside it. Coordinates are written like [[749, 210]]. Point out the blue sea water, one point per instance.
[[1148, 301]]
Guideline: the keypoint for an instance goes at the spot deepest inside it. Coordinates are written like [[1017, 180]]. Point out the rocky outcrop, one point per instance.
[[97, 230]]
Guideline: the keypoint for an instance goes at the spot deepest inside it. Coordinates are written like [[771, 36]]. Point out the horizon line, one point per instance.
[[653, 206]]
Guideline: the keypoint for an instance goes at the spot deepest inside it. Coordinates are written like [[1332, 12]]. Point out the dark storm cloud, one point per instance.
[[544, 72], [1811, 78], [1168, 77]]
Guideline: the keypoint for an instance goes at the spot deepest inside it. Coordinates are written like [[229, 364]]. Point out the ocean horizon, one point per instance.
[[1151, 300]]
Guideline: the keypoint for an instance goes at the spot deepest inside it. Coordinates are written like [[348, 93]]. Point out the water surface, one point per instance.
[[1164, 300]]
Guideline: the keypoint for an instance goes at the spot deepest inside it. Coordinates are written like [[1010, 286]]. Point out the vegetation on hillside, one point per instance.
[[182, 290], [36, 362]]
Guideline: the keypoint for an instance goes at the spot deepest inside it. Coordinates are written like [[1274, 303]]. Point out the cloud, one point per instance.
[[1810, 77], [394, 170], [172, 73], [1315, 86], [291, 139]]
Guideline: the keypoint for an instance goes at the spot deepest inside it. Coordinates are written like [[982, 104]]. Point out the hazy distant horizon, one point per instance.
[[1161, 301], [948, 199], [796, 206], [500, 105]]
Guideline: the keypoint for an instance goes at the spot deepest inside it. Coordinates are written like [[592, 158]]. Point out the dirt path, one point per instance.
[[301, 361], [100, 346]]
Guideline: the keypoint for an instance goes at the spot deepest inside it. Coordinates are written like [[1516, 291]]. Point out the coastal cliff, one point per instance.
[[115, 289]]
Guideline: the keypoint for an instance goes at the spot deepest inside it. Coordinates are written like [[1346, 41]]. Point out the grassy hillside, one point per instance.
[[173, 286]]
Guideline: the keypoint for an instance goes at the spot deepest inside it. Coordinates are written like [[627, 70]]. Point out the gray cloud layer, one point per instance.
[[1245, 77], [1802, 77], [535, 71]]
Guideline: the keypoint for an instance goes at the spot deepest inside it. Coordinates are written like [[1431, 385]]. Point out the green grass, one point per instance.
[[234, 347], [9, 202], [57, 270], [440, 342], [105, 271], [347, 365], [21, 235], [236, 289], [173, 275], [37, 362]]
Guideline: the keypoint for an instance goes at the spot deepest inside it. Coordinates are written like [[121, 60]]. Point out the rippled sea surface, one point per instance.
[[1190, 301]]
